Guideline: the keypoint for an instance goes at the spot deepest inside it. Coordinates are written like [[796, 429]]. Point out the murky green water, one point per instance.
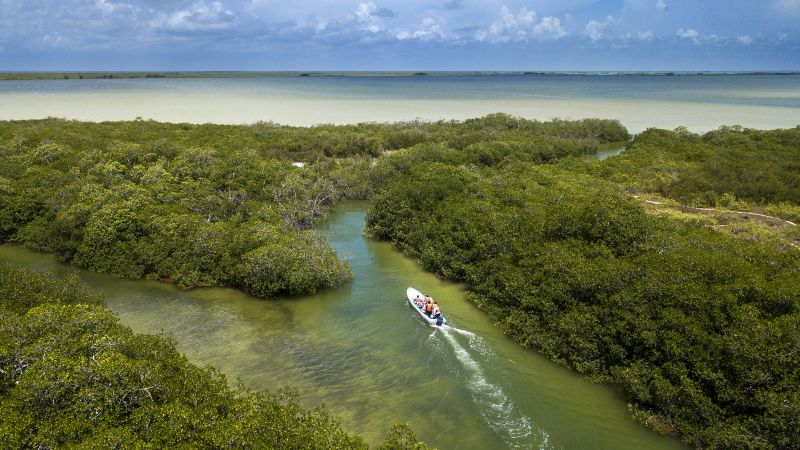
[[608, 150], [362, 351]]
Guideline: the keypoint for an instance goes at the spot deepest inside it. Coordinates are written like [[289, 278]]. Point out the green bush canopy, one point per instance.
[[72, 376], [701, 330], [220, 204], [754, 165]]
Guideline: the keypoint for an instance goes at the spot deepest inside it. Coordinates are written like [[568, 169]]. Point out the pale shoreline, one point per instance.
[[101, 74], [636, 115]]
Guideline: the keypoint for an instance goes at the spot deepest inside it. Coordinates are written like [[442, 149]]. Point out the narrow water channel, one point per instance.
[[608, 150], [362, 351]]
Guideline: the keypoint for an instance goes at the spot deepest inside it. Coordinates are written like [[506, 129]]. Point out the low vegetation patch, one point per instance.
[[720, 167]]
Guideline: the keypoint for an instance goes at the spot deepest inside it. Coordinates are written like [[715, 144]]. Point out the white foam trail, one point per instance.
[[476, 342], [494, 405]]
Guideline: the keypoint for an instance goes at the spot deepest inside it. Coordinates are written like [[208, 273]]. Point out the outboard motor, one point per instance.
[[440, 320]]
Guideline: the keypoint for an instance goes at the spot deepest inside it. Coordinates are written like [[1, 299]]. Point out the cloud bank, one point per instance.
[[246, 29]]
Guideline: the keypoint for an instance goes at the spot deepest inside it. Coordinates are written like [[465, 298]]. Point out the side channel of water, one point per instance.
[[361, 350], [608, 150]]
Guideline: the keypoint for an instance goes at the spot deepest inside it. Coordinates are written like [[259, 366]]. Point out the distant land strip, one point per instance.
[[243, 74]]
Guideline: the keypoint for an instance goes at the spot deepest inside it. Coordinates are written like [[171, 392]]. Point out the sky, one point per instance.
[[413, 35]]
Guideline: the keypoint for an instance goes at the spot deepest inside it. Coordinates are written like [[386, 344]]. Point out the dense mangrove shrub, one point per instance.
[[700, 329], [220, 204], [199, 205], [196, 215], [269, 140], [754, 165], [72, 376]]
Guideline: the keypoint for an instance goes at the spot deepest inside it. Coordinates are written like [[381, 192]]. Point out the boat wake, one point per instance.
[[496, 408]]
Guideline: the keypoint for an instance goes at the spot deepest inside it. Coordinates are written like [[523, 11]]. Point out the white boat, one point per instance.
[[412, 294]]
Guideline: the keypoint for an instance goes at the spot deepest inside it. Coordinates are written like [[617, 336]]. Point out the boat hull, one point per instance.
[[412, 293]]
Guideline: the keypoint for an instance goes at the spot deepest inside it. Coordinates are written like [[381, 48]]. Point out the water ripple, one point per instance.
[[496, 408]]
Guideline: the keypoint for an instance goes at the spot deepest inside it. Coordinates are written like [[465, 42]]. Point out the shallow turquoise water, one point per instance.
[[362, 351], [698, 102]]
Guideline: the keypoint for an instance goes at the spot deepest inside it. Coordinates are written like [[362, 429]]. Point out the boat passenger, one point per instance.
[[418, 301], [429, 307], [435, 313]]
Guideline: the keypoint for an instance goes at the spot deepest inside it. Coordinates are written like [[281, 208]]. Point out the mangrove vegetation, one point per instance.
[[699, 328], [728, 167], [72, 376], [207, 205]]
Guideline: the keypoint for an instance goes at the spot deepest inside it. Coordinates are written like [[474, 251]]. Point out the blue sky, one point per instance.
[[399, 35]]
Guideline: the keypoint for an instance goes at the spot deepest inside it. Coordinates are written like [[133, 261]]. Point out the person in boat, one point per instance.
[[435, 313], [418, 301], [428, 306]]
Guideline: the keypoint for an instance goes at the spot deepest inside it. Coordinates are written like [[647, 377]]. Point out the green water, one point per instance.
[[362, 351], [608, 150]]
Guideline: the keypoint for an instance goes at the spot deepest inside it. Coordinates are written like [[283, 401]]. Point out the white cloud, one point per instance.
[[263, 25], [427, 30], [595, 29], [107, 7], [709, 39], [509, 26], [201, 16], [364, 11], [366, 15], [525, 16], [521, 27], [371, 17], [549, 28], [689, 33], [641, 36]]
